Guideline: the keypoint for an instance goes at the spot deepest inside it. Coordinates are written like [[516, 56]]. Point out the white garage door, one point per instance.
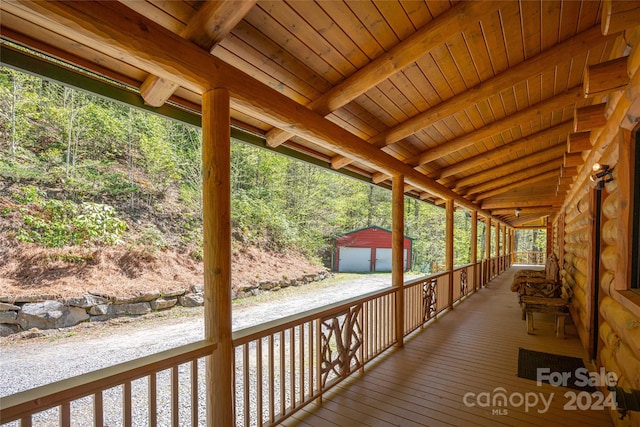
[[383, 259], [354, 260]]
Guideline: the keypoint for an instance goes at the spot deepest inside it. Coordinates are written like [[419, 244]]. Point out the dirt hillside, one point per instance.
[[29, 269]]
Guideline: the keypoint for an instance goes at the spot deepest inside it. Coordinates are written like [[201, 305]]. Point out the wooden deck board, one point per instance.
[[471, 349]]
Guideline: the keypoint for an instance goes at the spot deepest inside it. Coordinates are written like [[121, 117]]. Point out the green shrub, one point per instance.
[[57, 223]]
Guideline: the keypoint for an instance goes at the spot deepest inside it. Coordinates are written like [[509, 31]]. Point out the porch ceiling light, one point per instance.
[[601, 173], [517, 212]]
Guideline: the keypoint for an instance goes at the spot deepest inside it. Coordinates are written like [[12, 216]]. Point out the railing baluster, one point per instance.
[[65, 414], [194, 392], [272, 415], [26, 421], [175, 403], [153, 400], [292, 366], [318, 358], [98, 412], [282, 374], [126, 404], [245, 381], [301, 354], [259, 419], [312, 359]]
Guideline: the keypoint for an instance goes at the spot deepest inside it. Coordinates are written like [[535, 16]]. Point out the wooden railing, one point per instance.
[[82, 400], [285, 364], [530, 258], [278, 366]]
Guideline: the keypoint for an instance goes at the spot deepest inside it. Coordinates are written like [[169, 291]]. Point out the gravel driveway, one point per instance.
[[29, 363]]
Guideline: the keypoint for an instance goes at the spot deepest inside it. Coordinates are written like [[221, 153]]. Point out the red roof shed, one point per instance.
[[367, 250]]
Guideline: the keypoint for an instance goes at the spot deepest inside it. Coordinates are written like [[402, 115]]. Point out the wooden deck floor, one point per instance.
[[472, 349]]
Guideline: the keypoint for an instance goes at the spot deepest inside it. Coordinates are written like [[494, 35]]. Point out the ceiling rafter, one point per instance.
[[547, 59], [523, 211], [513, 177], [555, 152], [441, 28], [552, 175], [538, 202], [527, 115], [510, 148]]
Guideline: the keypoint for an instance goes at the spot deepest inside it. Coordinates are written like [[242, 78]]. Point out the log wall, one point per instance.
[[619, 316]]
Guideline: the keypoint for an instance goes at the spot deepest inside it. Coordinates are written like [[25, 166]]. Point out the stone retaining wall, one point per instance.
[[22, 313]]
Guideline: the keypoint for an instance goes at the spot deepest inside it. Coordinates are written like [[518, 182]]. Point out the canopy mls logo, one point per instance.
[[499, 400]]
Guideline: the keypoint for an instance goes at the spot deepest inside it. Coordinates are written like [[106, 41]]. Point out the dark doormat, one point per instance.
[[562, 370]]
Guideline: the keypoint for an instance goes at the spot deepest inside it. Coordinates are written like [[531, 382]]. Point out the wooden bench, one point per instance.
[[557, 306]]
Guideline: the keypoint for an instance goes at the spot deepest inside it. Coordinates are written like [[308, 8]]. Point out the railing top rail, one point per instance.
[[426, 277], [51, 395], [265, 329]]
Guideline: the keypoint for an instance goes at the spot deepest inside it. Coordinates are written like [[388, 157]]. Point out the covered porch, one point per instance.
[[502, 109], [472, 349]]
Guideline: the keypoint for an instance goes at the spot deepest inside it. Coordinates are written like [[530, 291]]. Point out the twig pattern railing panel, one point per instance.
[[285, 364]]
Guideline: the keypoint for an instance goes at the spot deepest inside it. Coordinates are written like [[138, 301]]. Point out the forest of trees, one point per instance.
[[68, 145]]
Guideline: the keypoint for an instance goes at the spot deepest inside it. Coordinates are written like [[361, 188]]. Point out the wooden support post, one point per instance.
[[474, 247], [397, 252], [487, 239], [512, 245], [487, 251], [549, 238], [606, 77], [579, 142], [449, 247], [216, 207], [497, 250], [589, 117], [507, 243]]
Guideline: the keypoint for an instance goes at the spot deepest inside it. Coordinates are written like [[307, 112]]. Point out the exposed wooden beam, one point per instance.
[[603, 145], [578, 142], [606, 77], [452, 22], [535, 112], [523, 211], [518, 222], [619, 15], [517, 184], [513, 177], [379, 177], [507, 149], [533, 66], [499, 204], [211, 23], [573, 160], [589, 117], [526, 162]]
